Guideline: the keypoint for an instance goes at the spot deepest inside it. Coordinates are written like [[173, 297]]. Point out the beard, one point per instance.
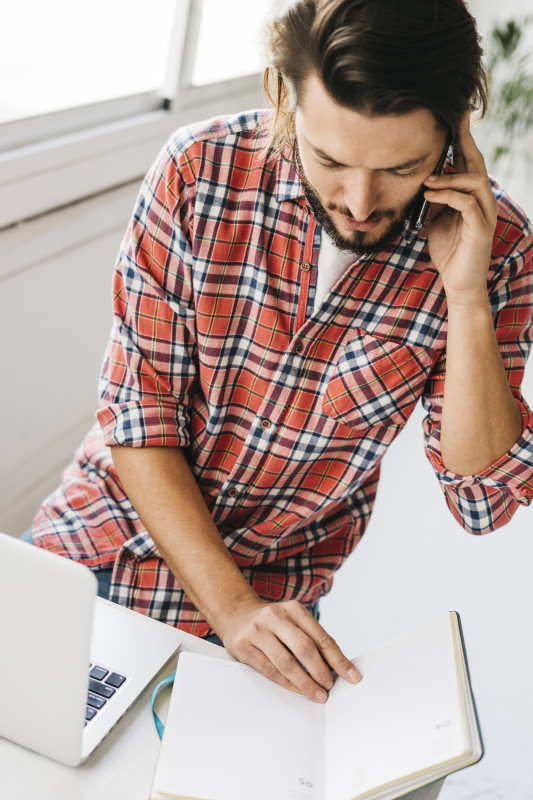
[[359, 242]]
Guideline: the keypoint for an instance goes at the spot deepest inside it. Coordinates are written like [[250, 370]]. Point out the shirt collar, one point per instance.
[[288, 183]]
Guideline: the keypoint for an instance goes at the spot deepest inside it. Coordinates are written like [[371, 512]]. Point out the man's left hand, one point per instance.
[[461, 228]]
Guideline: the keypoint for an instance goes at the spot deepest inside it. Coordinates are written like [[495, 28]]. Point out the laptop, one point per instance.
[[71, 664]]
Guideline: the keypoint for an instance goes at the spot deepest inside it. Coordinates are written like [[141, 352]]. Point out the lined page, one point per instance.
[[403, 717], [232, 734]]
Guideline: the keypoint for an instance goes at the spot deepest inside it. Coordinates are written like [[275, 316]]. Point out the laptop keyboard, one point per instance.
[[103, 685]]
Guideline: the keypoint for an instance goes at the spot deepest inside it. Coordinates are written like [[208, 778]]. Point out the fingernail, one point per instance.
[[354, 675], [321, 697], [328, 685], [432, 179]]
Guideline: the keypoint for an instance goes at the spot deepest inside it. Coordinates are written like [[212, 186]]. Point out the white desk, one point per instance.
[[121, 767]]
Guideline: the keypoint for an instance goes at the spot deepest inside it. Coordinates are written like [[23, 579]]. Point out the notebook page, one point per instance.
[[403, 717], [233, 734]]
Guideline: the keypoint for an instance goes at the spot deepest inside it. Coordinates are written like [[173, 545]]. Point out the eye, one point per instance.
[[328, 164], [409, 174]]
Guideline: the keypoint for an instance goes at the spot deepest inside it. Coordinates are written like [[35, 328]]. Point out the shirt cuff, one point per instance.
[[144, 425], [512, 473]]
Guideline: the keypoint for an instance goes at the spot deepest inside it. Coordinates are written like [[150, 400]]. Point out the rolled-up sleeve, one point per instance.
[[486, 501], [149, 368]]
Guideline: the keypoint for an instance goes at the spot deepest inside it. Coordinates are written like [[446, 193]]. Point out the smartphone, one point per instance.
[[421, 211]]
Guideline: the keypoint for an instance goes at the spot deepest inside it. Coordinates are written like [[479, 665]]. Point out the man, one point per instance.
[[277, 317]]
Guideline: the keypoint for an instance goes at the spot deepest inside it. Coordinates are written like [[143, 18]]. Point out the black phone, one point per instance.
[[420, 211]]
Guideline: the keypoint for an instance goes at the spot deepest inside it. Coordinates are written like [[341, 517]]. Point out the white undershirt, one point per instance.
[[332, 264]]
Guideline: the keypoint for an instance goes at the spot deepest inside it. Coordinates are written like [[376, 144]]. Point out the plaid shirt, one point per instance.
[[285, 413]]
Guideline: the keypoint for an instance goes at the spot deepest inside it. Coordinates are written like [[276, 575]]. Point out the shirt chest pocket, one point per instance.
[[377, 382]]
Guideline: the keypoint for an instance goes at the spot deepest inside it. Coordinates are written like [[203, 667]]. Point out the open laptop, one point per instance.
[[54, 633]]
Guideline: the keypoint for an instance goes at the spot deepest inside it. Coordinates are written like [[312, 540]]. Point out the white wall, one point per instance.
[[55, 312]]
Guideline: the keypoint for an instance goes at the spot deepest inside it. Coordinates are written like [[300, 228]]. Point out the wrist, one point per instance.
[[228, 609], [467, 287], [471, 302]]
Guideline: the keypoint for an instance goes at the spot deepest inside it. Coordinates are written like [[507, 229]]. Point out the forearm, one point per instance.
[[167, 498], [480, 417]]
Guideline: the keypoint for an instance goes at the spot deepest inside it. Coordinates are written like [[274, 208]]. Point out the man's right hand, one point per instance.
[[285, 643]]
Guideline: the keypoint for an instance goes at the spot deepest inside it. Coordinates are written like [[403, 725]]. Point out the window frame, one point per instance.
[[29, 131]]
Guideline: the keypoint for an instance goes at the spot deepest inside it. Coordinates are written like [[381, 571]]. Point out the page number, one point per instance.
[[305, 783]]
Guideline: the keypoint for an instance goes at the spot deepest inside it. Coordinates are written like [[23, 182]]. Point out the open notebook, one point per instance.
[[231, 734]]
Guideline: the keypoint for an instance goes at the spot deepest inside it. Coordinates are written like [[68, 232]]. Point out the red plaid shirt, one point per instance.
[[285, 413]]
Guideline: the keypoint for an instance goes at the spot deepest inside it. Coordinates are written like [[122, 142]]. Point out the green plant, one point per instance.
[[510, 117]]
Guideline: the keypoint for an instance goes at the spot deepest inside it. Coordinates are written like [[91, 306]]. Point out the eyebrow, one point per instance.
[[411, 163]]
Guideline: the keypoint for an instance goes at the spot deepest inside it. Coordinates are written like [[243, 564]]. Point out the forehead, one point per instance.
[[354, 138]]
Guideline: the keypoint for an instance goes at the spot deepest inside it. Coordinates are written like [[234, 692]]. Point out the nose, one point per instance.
[[361, 194]]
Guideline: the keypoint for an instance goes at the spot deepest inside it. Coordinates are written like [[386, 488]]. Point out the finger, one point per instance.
[[313, 648], [334, 656], [286, 639], [462, 181], [284, 663], [329, 650], [435, 210], [467, 155], [466, 204], [252, 652], [471, 152], [269, 647], [468, 183], [260, 662], [307, 660], [270, 657]]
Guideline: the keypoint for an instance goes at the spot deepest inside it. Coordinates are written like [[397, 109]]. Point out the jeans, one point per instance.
[[103, 576]]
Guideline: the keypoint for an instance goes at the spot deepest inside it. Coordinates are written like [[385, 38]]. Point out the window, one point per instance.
[[228, 45], [57, 54]]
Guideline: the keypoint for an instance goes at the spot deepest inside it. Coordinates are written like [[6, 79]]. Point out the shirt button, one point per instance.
[[128, 555], [527, 492], [299, 347], [266, 424], [305, 266], [233, 492]]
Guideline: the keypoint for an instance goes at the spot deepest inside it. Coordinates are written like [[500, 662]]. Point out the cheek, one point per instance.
[[400, 193], [325, 183], [328, 187]]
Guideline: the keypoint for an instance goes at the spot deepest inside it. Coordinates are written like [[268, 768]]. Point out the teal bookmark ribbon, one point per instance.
[[168, 681]]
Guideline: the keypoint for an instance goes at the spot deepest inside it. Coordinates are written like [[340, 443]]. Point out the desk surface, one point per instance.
[[121, 768]]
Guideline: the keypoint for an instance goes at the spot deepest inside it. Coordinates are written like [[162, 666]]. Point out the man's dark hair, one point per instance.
[[377, 57]]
